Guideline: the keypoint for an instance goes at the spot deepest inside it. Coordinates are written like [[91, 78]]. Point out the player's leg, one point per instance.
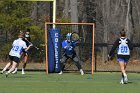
[[122, 67], [15, 61], [125, 64], [14, 65], [25, 62], [7, 65], [77, 63], [125, 76], [15, 70], [62, 64], [122, 70]]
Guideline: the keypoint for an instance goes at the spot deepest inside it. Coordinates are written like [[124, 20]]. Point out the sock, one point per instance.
[[81, 70], [124, 74], [22, 69], [4, 69], [15, 69], [8, 72]]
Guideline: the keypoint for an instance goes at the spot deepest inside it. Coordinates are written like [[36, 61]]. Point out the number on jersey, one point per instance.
[[15, 48], [124, 49]]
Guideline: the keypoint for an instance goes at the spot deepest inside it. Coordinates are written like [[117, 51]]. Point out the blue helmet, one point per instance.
[[68, 36]]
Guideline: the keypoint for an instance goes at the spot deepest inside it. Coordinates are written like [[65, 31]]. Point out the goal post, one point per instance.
[[83, 29]]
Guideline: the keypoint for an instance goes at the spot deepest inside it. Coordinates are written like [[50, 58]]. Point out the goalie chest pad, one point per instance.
[[123, 48]]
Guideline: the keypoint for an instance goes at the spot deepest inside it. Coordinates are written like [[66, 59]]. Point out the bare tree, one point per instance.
[[74, 13], [34, 14], [66, 9], [128, 24]]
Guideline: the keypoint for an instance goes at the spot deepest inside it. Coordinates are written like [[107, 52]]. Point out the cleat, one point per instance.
[[6, 75], [122, 82], [14, 72], [1, 72], [81, 71], [60, 73], [125, 79], [23, 73]]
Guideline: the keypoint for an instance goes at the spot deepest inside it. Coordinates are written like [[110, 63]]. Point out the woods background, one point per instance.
[[110, 17]]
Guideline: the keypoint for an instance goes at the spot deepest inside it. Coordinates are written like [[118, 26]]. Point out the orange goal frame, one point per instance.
[[46, 40]]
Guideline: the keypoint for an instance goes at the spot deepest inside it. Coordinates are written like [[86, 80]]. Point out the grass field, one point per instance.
[[39, 82]]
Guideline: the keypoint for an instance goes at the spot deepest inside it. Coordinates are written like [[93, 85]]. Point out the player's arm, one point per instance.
[[115, 45], [64, 45], [130, 45], [28, 47], [25, 46], [27, 41]]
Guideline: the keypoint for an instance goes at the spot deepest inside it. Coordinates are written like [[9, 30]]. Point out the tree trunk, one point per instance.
[[74, 11], [106, 15], [66, 9], [127, 25], [35, 13], [74, 18]]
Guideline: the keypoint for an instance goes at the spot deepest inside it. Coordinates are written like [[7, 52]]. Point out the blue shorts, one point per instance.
[[125, 60]]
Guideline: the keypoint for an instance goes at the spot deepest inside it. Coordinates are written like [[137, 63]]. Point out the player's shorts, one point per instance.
[[125, 60], [14, 58]]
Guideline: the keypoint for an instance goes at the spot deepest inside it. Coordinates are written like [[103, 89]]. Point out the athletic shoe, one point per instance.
[[6, 74], [60, 73], [81, 71], [122, 81], [23, 73], [125, 79], [14, 72], [1, 72]]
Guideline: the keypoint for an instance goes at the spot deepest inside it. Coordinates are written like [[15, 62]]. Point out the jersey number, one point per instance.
[[124, 49], [15, 48]]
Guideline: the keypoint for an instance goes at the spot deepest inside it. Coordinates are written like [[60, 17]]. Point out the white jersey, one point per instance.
[[123, 47], [18, 46]]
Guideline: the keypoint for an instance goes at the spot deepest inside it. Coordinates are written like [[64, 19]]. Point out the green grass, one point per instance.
[[39, 82]]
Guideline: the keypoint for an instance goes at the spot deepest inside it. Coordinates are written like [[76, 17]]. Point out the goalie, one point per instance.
[[68, 46]]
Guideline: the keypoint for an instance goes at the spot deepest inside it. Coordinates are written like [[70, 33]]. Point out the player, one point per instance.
[[69, 52], [15, 53], [27, 40], [123, 46]]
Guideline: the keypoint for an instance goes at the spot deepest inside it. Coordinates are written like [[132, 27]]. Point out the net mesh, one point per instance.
[[84, 48]]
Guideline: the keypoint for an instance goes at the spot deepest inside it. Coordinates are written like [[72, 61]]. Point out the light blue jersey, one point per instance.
[[18, 46]]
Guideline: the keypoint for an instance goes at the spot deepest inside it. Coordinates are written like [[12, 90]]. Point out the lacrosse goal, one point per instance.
[[85, 49]]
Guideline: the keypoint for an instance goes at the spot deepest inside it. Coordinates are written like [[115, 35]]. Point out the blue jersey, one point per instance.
[[69, 47]]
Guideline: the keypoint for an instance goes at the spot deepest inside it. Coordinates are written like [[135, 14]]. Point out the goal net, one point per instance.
[[84, 49]]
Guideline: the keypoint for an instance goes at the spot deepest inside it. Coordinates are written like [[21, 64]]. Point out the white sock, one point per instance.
[[15, 70], [124, 74], [81, 70], [22, 69], [8, 72], [4, 69]]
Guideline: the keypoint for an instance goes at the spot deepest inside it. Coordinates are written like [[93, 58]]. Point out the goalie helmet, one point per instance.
[[68, 36]]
